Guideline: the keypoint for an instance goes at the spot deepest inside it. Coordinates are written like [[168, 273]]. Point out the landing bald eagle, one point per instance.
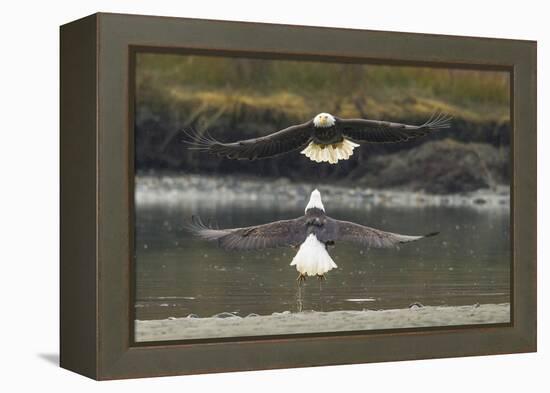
[[325, 138], [313, 233]]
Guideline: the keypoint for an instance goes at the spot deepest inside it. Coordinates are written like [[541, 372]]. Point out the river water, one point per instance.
[[178, 275]]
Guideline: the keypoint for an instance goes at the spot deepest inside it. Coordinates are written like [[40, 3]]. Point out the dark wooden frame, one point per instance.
[[97, 55]]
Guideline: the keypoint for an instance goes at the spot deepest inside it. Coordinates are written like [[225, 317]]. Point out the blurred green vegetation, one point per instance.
[[302, 89]]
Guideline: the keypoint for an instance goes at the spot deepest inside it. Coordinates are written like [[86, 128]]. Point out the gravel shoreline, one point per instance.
[[229, 325], [218, 191]]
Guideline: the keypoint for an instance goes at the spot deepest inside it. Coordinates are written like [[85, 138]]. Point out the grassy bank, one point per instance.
[[302, 89]]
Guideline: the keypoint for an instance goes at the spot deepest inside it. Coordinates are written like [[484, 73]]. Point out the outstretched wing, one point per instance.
[[283, 233], [346, 231], [280, 142], [376, 131]]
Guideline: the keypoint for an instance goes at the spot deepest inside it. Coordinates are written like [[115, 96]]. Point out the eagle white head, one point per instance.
[[324, 120], [315, 201]]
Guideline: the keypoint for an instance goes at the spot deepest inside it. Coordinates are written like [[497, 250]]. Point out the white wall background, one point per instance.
[[29, 195]]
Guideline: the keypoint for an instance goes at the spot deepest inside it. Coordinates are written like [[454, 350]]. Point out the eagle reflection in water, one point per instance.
[[311, 233]]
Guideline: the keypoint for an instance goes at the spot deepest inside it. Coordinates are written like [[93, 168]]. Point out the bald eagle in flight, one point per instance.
[[313, 233], [325, 138]]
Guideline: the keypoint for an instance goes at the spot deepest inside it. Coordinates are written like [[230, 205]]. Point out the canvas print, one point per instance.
[[288, 197]]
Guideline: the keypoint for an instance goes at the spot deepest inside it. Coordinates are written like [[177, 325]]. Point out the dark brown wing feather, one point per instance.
[[283, 233], [346, 231], [376, 131], [280, 142]]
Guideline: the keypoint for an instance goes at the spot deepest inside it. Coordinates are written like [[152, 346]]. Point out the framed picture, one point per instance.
[[241, 196]]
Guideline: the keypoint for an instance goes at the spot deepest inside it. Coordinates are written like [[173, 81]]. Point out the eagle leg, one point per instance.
[[301, 278], [321, 277]]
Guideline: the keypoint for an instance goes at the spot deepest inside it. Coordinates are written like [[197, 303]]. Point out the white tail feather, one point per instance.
[[312, 258], [330, 153]]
